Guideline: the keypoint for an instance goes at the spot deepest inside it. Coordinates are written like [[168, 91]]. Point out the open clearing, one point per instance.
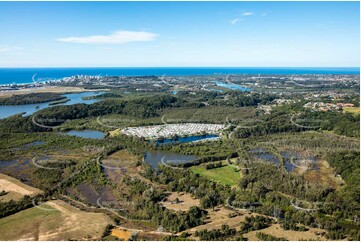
[[15, 189], [276, 230], [225, 174], [353, 110], [122, 234], [53, 220], [185, 201], [220, 216]]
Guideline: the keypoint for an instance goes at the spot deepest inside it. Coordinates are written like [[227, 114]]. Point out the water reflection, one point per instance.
[[263, 154], [292, 160]]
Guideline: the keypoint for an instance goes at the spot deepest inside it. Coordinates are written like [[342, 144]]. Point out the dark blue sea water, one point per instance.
[[26, 75]]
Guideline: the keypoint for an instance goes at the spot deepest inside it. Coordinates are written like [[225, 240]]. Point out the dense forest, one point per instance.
[[31, 98]]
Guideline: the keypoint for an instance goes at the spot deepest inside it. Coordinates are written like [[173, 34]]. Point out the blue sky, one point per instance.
[[122, 34]]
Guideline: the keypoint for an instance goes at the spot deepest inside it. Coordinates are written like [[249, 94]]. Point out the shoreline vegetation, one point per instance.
[[31, 98], [59, 101]]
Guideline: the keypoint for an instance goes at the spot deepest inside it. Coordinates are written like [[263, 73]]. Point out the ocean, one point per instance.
[[28, 75]]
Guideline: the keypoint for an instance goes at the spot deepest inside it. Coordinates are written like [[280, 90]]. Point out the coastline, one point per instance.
[[26, 76]]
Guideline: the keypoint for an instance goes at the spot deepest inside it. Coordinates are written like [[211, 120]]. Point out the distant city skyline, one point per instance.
[[180, 34]]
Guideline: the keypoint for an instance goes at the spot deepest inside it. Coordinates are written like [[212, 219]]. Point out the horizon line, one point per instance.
[[3, 67]]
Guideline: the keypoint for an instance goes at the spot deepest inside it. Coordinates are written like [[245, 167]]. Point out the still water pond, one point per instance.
[[88, 134], [293, 160], [233, 86], [263, 154]]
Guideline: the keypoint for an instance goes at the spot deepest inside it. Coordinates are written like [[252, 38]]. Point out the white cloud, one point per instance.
[[118, 37], [234, 21], [245, 14], [248, 13]]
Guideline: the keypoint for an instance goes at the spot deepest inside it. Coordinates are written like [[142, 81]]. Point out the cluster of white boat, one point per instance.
[[171, 130]]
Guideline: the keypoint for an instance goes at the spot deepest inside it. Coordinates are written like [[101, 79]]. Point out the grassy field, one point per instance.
[[353, 110], [276, 230], [218, 217], [225, 174], [26, 223], [53, 220], [15, 189], [185, 201]]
